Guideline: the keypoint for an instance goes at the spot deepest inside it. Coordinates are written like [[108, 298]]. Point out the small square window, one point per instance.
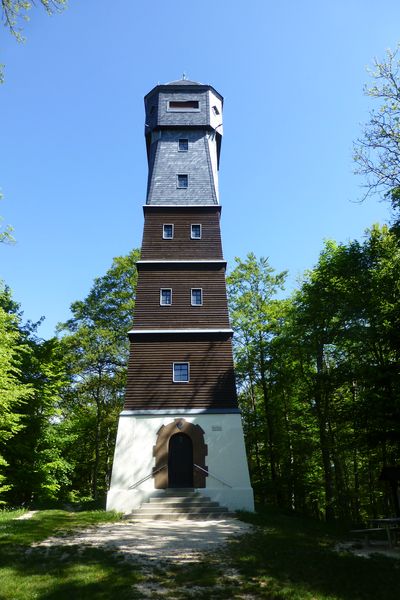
[[183, 145], [165, 296], [180, 372], [182, 182], [196, 297], [168, 231], [195, 231]]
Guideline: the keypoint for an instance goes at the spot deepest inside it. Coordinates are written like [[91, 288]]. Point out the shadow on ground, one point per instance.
[[287, 552]]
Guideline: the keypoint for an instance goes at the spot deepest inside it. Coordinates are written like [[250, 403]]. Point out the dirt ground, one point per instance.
[[146, 541]]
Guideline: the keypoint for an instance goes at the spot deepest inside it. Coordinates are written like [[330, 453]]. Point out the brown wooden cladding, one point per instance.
[[181, 246], [180, 314], [150, 385]]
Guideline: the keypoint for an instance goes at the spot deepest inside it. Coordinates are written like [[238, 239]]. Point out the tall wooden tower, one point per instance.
[[181, 426]]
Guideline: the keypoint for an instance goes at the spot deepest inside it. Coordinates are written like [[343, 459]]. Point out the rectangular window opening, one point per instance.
[[168, 231], [183, 145], [180, 372], [182, 182], [215, 110], [183, 105], [195, 231], [196, 297], [166, 296]]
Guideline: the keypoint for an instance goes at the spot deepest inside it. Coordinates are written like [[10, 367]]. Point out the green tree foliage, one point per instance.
[[6, 236], [346, 315], [377, 151], [35, 469], [329, 367], [12, 392], [95, 345], [16, 12], [38, 470], [255, 314]]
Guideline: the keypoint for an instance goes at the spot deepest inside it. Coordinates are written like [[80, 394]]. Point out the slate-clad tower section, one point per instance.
[[180, 384]]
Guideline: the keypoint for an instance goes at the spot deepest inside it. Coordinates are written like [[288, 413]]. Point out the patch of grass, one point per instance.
[[46, 523], [286, 557], [6, 515], [293, 558], [58, 573]]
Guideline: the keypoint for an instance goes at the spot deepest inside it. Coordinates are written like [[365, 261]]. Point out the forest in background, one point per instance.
[[317, 372]]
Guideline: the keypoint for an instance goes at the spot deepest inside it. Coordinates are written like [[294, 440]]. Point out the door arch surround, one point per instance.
[[160, 452]]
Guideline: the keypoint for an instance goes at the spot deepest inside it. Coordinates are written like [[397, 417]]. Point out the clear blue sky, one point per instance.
[[72, 154]]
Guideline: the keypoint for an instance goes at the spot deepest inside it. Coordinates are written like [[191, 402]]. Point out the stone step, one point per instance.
[[179, 492], [184, 505], [167, 516], [181, 501], [147, 508]]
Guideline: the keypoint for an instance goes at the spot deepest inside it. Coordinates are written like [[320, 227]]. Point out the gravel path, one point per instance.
[[28, 515], [148, 541]]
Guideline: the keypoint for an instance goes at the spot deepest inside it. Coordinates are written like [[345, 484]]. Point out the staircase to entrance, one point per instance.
[[180, 503]]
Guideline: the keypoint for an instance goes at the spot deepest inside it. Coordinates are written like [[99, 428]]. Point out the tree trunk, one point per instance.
[[270, 425], [321, 406]]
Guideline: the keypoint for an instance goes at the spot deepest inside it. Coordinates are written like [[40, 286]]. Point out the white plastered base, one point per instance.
[[228, 480]]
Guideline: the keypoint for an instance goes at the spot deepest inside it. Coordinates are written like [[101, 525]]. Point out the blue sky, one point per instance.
[[72, 154]]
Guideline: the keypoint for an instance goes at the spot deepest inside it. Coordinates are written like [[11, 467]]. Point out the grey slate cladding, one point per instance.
[[165, 125], [156, 104], [166, 162]]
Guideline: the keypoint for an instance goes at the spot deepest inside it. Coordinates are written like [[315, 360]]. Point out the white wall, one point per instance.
[[228, 481]]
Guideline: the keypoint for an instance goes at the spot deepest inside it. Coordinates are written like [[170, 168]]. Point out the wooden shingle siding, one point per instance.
[[181, 314], [150, 384], [181, 263], [181, 246]]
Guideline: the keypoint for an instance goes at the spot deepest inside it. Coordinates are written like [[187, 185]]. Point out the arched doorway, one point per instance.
[[180, 461], [162, 448]]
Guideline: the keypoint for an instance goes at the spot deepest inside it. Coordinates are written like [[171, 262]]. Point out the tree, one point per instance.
[[15, 12], [318, 376], [37, 468], [6, 236], [377, 151], [95, 345], [343, 336], [255, 315], [12, 392]]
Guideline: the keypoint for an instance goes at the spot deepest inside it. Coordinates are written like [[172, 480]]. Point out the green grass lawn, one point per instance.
[[285, 558], [293, 558], [57, 573]]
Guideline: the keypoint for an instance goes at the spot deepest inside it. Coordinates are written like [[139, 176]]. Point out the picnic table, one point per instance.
[[390, 524]]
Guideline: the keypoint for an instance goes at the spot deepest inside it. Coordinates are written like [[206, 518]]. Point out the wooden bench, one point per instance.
[[367, 532]]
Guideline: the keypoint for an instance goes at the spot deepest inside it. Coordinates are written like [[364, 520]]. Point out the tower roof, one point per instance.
[[183, 82], [179, 83]]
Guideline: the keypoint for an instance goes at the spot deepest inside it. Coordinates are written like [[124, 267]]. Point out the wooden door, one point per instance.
[[180, 461]]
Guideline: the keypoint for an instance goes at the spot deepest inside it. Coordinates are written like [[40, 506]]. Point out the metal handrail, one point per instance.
[[131, 487], [212, 475]]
